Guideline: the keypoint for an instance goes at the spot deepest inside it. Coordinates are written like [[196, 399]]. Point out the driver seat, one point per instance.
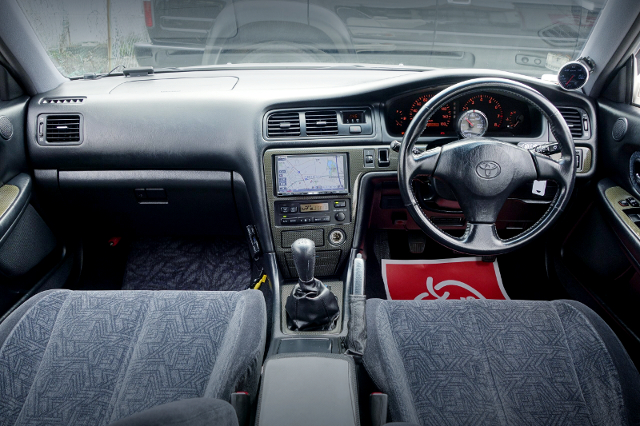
[[488, 362]]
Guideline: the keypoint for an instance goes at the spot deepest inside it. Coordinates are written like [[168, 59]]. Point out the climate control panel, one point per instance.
[[307, 212]]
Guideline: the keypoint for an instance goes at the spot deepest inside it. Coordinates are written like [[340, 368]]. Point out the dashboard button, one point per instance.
[[623, 203], [340, 203], [285, 221], [284, 209], [369, 156], [340, 216], [293, 209], [355, 129]]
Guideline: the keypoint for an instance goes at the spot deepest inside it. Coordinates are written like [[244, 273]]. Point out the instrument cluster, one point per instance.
[[488, 114]]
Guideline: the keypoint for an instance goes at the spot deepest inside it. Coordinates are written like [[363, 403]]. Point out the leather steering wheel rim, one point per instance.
[[482, 193]]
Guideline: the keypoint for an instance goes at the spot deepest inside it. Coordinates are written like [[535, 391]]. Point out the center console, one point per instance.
[[309, 389], [312, 193]]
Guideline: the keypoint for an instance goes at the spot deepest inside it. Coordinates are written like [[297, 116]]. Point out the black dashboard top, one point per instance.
[[190, 125]]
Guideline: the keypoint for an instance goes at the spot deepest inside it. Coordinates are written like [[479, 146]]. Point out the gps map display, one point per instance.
[[311, 174]]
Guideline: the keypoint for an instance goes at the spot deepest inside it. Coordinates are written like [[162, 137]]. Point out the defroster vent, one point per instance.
[[573, 117], [321, 123], [62, 128], [77, 100], [284, 124]]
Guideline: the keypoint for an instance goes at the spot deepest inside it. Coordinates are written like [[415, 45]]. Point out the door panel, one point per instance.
[[12, 149], [26, 241], [602, 252], [616, 154]]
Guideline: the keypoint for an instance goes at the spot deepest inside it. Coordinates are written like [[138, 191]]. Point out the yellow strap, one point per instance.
[[259, 283]]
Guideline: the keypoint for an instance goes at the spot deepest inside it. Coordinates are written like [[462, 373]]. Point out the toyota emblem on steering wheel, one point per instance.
[[488, 169]]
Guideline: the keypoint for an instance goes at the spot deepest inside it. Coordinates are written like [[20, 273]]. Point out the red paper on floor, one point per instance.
[[454, 279]]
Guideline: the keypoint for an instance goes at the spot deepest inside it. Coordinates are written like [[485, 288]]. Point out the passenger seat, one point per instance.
[[93, 358]]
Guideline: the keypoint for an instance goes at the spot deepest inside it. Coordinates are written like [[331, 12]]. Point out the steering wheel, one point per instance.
[[483, 172]]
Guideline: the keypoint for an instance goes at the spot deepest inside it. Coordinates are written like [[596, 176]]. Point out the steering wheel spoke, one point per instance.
[[547, 168], [481, 235], [481, 210], [423, 165]]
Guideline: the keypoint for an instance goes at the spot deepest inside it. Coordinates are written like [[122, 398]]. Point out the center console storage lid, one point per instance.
[[311, 389]]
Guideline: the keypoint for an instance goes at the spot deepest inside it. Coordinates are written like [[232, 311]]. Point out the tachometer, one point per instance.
[[440, 120], [472, 123], [489, 106]]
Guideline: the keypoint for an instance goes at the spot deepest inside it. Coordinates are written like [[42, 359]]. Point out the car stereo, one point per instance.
[[316, 174]]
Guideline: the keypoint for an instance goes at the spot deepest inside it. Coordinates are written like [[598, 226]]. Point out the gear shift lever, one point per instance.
[[311, 305], [304, 257]]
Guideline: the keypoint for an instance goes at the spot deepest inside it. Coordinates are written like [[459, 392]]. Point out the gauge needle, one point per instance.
[[569, 80], [470, 123]]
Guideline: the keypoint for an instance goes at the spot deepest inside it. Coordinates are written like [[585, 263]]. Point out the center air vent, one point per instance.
[[574, 120], [62, 128], [321, 123], [284, 124]]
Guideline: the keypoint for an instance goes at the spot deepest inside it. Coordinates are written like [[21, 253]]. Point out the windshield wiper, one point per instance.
[[94, 76]]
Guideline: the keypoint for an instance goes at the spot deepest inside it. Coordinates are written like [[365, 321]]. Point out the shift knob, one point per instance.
[[304, 257]]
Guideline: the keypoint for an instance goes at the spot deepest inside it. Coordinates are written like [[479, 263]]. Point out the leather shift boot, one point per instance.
[[312, 306]]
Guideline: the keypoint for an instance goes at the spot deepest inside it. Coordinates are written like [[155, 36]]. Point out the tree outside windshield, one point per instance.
[[527, 37]]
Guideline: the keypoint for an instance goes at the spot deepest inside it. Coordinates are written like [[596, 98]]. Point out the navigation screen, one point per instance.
[[311, 174]]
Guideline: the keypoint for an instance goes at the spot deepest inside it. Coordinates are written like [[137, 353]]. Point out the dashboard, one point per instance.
[[185, 149], [505, 116]]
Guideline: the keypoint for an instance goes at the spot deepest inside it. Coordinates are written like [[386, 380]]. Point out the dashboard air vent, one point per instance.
[[284, 124], [63, 100], [573, 117], [62, 128], [321, 123]]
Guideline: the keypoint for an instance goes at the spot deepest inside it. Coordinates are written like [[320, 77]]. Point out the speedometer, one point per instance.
[[440, 120], [489, 106]]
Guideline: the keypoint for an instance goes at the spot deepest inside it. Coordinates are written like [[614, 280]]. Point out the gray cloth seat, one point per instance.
[[499, 363], [92, 358]]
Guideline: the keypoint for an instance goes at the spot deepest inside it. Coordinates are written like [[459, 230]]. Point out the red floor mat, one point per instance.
[[455, 279]]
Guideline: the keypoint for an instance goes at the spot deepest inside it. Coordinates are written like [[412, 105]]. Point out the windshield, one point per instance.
[[527, 37]]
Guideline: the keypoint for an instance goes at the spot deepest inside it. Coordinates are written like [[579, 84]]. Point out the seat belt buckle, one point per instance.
[[378, 403], [256, 283], [241, 402]]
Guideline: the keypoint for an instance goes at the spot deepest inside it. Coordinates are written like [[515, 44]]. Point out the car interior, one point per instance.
[[319, 212]]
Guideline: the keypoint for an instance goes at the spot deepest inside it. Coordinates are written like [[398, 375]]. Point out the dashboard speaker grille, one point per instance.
[[321, 123], [6, 128], [619, 129], [573, 117], [284, 124], [63, 128]]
